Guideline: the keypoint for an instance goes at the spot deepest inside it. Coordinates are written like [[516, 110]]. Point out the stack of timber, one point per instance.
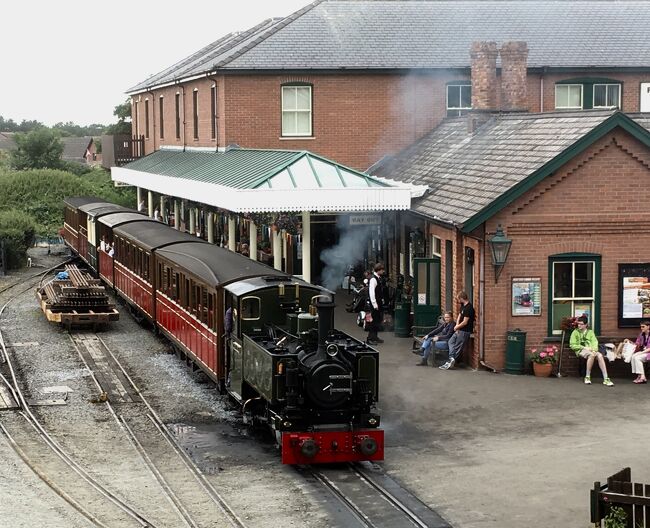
[[77, 300]]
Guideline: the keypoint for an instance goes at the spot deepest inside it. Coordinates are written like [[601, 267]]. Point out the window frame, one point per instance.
[[213, 111], [195, 113], [597, 287], [295, 86], [146, 118], [436, 246], [456, 111], [161, 110], [177, 100], [259, 307], [606, 85], [568, 86]]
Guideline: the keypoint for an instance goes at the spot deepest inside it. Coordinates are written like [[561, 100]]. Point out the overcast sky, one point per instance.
[[72, 60]]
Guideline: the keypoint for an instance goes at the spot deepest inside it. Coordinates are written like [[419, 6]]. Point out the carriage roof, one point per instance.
[[215, 265], [119, 218], [98, 209], [77, 201], [152, 235]]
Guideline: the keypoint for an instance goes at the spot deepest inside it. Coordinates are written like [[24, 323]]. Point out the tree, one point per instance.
[[39, 149], [123, 125]]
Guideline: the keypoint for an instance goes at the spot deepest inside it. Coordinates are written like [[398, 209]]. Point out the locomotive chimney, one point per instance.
[[325, 307], [514, 69]]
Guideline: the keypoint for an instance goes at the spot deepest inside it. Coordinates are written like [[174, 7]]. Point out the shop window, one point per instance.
[[296, 111], [574, 289], [459, 99], [250, 308]]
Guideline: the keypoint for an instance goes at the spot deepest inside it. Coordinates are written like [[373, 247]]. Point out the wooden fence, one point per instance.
[[620, 491]]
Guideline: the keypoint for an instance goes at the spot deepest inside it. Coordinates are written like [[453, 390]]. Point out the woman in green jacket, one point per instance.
[[585, 344]]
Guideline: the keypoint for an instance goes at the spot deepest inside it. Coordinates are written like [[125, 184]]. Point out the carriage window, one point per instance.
[[211, 319], [145, 266], [176, 286], [204, 305], [250, 308]]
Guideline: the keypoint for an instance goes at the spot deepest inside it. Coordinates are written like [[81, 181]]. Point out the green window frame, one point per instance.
[[581, 287], [595, 92]]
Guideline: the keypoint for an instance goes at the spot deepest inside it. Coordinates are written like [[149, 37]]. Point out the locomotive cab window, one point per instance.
[[251, 308]]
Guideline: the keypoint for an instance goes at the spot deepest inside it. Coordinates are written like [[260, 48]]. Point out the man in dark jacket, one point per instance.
[[376, 294], [438, 338]]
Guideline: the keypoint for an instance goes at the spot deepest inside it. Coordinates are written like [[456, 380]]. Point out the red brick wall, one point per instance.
[[597, 203], [357, 118]]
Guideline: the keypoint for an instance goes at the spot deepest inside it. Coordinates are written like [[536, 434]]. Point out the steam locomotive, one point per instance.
[[265, 337]]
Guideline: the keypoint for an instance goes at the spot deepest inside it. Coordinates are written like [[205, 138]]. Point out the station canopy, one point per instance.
[[254, 180]]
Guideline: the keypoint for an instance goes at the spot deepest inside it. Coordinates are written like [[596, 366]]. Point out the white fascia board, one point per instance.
[[416, 190], [269, 200]]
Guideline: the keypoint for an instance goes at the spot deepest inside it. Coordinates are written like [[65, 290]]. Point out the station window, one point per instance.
[[607, 95], [459, 99], [251, 308], [436, 246], [568, 96], [574, 289], [296, 111]]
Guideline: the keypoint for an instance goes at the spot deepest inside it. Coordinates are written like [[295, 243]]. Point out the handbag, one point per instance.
[[628, 351]]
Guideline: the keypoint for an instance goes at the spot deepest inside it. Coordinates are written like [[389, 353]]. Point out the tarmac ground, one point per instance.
[[500, 450]]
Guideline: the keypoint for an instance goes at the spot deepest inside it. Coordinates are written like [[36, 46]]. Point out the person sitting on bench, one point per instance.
[[462, 330], [438, 338], [642, 354], [584, 343]]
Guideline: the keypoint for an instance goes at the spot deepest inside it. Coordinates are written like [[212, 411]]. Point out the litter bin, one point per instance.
[[401, 319], [515, 349]]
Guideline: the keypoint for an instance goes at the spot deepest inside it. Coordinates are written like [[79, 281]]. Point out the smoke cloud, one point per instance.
[[351, 248]]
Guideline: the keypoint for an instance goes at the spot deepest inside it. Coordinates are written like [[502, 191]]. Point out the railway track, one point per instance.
[[196, 501], [373, 500], [84, 492]]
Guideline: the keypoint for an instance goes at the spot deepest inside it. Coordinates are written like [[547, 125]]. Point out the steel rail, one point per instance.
[[52, 444], [214, 495]]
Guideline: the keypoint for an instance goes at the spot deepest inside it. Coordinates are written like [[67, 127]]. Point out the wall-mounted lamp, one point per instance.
[[499, 247]]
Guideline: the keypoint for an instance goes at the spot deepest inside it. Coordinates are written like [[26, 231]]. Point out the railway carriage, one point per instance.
[[105, 226], [88, 239], [133, 264], [71, 222]]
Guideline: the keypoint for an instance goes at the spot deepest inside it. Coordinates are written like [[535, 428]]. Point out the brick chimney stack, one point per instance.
[[484, 76], [514, 69]]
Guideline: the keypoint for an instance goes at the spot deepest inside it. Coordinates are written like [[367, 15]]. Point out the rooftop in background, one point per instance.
[[467, 173], [75, 148], [427, 34]]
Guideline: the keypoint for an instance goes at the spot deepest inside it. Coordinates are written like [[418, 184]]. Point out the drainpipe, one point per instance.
[[481, 301], [541, 89]]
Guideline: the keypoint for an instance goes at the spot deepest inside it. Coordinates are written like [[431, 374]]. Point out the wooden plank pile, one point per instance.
[[79, 292]]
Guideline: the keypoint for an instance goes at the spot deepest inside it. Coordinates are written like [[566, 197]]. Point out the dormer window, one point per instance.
[[607, 95], [587, 92], [568, 96]]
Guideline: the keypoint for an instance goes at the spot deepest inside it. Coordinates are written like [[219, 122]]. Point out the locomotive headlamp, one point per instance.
[[372, 421], [332, 350]]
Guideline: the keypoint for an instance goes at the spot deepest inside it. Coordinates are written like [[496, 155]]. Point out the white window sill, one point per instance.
[[294, 138]]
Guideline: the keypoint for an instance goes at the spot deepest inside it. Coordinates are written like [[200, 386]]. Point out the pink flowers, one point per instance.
[[546, 355]]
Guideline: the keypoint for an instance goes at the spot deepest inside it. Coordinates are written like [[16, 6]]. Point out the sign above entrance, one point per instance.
[[365, 219]]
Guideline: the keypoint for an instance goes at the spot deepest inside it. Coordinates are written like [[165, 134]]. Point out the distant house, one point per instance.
[[7, 141], [79, 149]]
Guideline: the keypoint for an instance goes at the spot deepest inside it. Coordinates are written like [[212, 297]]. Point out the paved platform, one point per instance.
[[504, 451]]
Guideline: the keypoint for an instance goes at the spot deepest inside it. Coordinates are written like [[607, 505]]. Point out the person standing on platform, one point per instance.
[[376, 294], [462, 330]]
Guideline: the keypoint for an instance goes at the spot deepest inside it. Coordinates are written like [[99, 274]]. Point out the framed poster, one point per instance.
[[526, 296], [633, 294]]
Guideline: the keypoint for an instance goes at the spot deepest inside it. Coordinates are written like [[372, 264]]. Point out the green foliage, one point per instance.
[[616, 518], [39, 149], [41, 194], [17, 229], [123, 125], [9, 125], [72, 129]]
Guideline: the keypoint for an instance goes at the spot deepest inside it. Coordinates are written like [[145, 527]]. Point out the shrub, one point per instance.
[[17, 229]]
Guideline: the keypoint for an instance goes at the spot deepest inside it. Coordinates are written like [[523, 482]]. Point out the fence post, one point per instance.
[[594, 497]]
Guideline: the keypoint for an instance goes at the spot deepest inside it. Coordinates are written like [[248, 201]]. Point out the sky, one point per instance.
[[69, 60]]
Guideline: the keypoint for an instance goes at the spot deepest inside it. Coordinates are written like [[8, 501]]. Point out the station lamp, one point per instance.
[[499, 247]]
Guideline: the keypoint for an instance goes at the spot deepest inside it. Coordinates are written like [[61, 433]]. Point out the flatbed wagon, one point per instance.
[[76, 299]]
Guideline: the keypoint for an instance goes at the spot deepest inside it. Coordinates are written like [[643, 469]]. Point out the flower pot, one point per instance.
[[542, 370]]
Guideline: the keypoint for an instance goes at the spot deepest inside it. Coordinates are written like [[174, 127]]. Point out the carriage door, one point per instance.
[[426, 292]]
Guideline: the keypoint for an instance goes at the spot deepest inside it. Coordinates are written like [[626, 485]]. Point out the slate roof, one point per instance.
[[468, 173], [417, 34], [7, 141], [74, 148]]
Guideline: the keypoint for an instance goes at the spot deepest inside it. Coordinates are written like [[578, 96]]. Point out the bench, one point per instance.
[[418, 333], [615, 369]]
